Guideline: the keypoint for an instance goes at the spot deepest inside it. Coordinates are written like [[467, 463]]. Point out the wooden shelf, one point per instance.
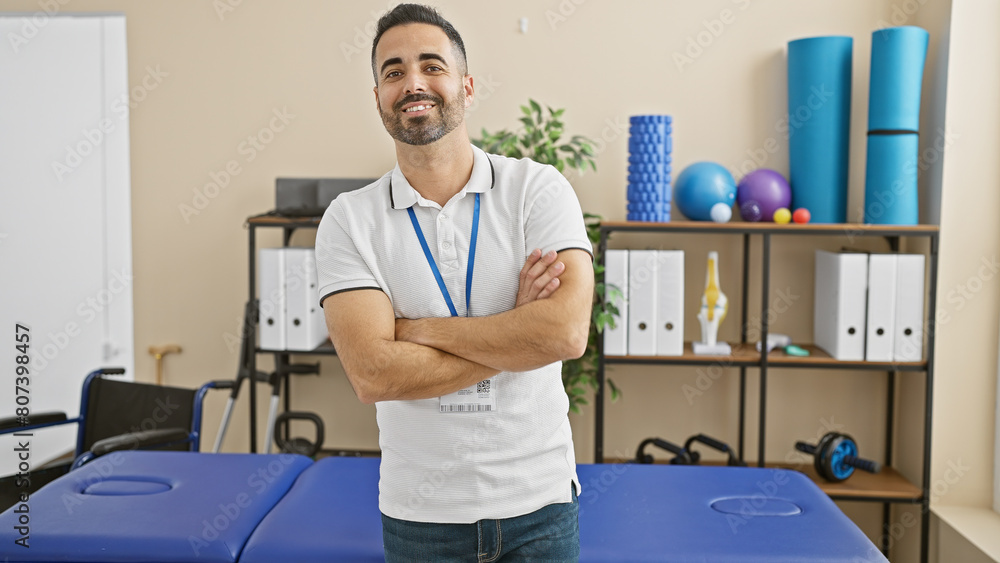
[[743, 355], [846, 229], [887, 485], [748, 356], [282, 221], [817, 358]]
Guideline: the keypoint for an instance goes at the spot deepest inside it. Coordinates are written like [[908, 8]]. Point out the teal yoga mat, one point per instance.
[[897, 70], [819, 119], [891, 180]]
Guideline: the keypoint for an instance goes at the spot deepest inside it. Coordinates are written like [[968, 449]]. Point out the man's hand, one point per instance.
[[539, 277]]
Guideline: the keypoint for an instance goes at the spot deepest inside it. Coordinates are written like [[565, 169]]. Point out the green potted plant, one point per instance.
[[540, 140]]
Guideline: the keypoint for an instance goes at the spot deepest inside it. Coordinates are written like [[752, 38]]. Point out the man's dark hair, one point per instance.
[[417, 13]]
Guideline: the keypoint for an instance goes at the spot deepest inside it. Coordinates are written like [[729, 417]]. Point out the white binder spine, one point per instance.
[[881, 307], [616, 274], [305, 325], [670, 303], [642, 267], [271, 273], [908, 339], [839, 314]]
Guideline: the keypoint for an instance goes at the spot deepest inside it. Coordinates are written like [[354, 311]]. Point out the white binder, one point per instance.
[[616, 274], [881, 307], [670, 303], [271, 273], [839, 312], [908, 337], [642, 302], [305, 326]]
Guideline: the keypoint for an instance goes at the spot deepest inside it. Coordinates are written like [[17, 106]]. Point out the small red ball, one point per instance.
[[801, 215]]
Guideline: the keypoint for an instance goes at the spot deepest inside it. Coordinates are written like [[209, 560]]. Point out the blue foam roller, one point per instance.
[[646, 158], [819, 116], [897, 72], [650, 128], [659, 194], [647, 186], [649, 167], [645, 148], [641, 142], [649, 170], [891, 180], [638, 170], [647, 178], [648, 198], [644, 206], [640, 158], [657, 138], [649, 195], [650, 119], [634, 196]]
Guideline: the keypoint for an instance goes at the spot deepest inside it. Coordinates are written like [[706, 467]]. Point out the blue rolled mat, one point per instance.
[[897, 70], [819, 119], [891, 180]]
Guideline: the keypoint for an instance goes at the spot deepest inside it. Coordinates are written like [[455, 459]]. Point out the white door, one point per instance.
[[65, 215]]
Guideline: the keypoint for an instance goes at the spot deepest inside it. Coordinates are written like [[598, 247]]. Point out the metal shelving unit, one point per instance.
[[887, 487], [288, 225]]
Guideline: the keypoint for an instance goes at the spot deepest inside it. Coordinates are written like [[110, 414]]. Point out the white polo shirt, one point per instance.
[[461, 467]]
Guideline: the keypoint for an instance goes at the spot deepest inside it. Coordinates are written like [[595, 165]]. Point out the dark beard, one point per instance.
[[425, 129]]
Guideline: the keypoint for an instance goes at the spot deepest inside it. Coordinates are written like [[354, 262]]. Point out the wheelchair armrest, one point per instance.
[[15, 422], [137, 440]]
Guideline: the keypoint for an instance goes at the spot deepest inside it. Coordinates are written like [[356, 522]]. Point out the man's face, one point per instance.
[[422, 92]]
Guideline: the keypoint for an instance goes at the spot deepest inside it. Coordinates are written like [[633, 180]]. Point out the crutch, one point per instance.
[[242, 372]]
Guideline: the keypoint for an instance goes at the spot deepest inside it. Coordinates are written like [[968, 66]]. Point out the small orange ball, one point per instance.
[[801, 215]]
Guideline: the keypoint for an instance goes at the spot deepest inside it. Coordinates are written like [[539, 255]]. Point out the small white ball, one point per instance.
[[721, 213]]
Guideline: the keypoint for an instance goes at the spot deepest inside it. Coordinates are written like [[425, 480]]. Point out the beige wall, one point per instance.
[[224, 76], [965, 386]]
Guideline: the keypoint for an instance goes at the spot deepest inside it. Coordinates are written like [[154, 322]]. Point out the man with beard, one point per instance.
[[453, 287]]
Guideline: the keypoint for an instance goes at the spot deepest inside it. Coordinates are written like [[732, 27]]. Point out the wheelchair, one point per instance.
[[116, 415]]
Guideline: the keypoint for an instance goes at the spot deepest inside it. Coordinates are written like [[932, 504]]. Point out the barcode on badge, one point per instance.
[[466, 408]]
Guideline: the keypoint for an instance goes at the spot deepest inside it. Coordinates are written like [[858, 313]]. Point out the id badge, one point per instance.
[[481, 397]]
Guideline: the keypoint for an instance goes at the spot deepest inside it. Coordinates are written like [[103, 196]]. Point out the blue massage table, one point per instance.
[[177, 507]]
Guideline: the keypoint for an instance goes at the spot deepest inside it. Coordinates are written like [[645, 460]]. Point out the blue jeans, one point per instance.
[[550, 534]]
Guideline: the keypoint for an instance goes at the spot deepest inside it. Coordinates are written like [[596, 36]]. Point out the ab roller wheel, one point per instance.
[[836, 457]]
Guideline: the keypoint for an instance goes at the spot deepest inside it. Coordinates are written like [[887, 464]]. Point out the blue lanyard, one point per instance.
[[434, 268]]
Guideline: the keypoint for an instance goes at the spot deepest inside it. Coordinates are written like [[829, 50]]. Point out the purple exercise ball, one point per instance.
[[768, 189]]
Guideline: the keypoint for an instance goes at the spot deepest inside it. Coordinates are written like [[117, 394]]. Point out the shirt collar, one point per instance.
[[402, 195]]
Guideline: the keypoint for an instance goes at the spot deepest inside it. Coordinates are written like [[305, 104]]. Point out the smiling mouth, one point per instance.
[[418, 108]]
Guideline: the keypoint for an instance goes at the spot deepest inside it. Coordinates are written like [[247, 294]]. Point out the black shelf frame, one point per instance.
[[892, 234], [288, 225]]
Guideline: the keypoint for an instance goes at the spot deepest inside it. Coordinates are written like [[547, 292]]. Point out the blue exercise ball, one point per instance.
[[700, 187]]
